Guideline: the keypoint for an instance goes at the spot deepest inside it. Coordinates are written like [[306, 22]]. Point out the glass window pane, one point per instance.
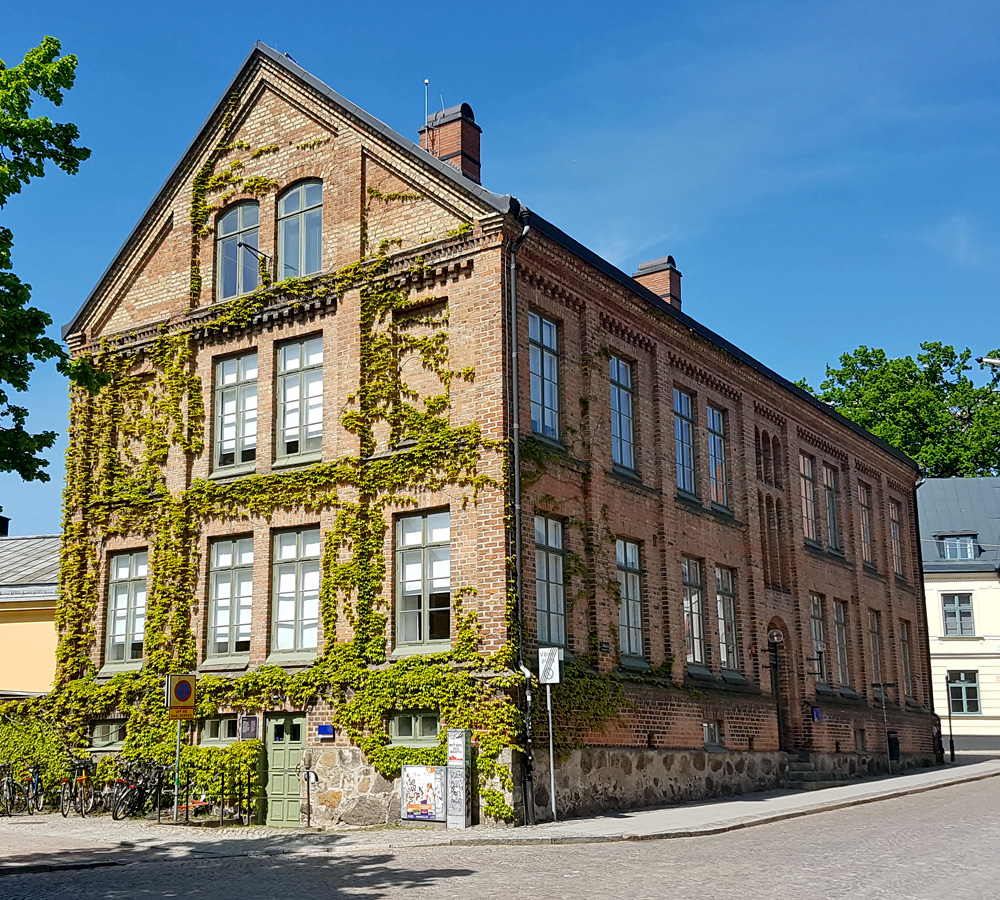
[[438, 527], [411, 531], [313, 242], [287, 544], [250, 213], [291, 202], [289, 249], [314, 193]]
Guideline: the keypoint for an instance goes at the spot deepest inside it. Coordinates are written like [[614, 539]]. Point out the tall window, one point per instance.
[[543, 346], [729, 657], [717, 456], [231, 587], [300, 229], [300, 397], [423, 580], [630, 594], [960, 546], [832, 517], [236, 259], [818, 622], [840, 629], [622, 450], [236, 411], [684, 440], [127, 602], [296, 589], [904, 642], [875, 641], [895, 514], [550, 590], [958, 621], [963, 693], [694, 610], [865, 509], [807, 491]]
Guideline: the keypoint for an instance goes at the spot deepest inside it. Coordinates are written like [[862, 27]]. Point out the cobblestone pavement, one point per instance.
[[941, 845]]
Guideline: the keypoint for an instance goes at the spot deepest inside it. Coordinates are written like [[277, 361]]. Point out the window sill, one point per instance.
[[715, 748], [109, 669], [685, 497], [849, 693], [290, 659], [552, 443], [813, 545], [869, 569], [630, 478], [225, 664], [731, 676], [304, 459], [108, 748], [699, 672], [961, 637], [634, 663], [825, 690], [723, 510], [404, 650]]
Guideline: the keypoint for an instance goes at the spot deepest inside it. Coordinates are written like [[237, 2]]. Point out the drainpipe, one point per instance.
[[528, 778]]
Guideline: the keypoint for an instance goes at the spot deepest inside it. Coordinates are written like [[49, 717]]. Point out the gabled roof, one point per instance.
[[501, 203], [960, 506], [29, 560]]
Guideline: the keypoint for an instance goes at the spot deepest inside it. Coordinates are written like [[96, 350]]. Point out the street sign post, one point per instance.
[[180, 696], [548, 674]]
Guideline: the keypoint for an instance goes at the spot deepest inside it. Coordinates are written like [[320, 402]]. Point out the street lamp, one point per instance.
[[988, 361]]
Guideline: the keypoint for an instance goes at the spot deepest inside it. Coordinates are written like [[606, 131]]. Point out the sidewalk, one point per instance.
[[48, 843]]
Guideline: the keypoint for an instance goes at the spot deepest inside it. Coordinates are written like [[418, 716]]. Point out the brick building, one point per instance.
[[729, 566]]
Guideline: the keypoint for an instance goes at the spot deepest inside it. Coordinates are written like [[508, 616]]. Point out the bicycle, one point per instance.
[[13, 798], [77, 792], [34, 789], [140, 782]]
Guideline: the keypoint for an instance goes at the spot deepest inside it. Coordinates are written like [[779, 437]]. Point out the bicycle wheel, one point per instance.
[[29, 797], [18, 797], [123, 801], [39, 796], [86, 796], [65, 799]]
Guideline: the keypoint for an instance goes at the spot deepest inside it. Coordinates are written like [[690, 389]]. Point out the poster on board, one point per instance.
[[424, 793]]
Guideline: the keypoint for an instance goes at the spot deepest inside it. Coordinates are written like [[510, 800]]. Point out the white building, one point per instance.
[[960, 533]]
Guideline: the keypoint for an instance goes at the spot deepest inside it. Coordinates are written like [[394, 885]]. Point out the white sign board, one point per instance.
[[424, 793], [548, 665]]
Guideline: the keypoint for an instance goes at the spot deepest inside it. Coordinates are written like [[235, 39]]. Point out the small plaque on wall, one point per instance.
[[249, 728]]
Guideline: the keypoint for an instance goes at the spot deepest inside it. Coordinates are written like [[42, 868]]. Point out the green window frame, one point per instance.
[[957, 615], [107, 734], [684, 441], [622, 411], [865, 516], [963, 693], [630, 599], [694, 610], [543, 352], [550, 586], [817, 620], [807, 495], [840, 633], [237, 268], [300, 229], [230, 613], [725, 593], [717, 477], [832, 513], [220, 730], [423, 579], [295, 611], [895, 536], [415, 728], [127, 606], [236, 412], [300, 398]]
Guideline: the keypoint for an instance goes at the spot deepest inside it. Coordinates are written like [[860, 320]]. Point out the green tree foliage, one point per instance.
[[927, 407], [26, 145]]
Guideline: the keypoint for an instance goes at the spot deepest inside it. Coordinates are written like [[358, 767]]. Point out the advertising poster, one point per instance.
[[425, 793]]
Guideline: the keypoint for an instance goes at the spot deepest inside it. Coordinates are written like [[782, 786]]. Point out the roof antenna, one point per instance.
[[442, 102], [427, 81]]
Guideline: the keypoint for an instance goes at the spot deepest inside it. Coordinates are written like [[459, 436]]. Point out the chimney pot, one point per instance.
[[662, 278], [452, 135]]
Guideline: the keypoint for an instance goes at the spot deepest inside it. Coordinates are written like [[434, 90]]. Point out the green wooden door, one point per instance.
[[285, 739]]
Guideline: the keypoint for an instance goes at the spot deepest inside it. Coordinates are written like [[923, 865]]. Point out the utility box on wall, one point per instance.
[[459, 778]]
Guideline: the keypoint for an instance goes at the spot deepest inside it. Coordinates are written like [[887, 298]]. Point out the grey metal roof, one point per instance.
[[955, 506], [29, 560]]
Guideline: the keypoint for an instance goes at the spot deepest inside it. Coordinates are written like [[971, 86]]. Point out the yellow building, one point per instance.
[[29, 576]]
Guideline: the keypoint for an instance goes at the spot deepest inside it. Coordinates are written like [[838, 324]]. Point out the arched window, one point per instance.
[[236, 251], [300, 230]]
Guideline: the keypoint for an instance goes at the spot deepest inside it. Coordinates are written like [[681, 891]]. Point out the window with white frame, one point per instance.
[[957, 614], [300, 230], [423, 579], [963, 693], [236, 254], [865, 515], [300, 398], [127, 606], [236, 411], [817, 618], [220, 730], [725, 589], [414, 728], [107, 734], [296, 590], [231, 596], [694, 610], [807, 495], [959, 546], [832, 515], [717, 456], [684, 440], [840, 633], [875, 642], [543, 349], [895, 538], [630, 599], [904, 643], [550, 588], [622, 449]]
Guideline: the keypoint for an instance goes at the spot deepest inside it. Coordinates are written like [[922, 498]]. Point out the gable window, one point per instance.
[[895, 537], [236, 254], [694, 610], [127, 602], [231, 606], [963, 693], [300, 398], [717, 456], [420, 728], [684, 440], [958, 621], [622, 450], [729, 657], [959, 546], [807, 494], [550, 590], [300, 230], [296, 590], [818, 622], [904, 641], [865, 508], [543, 347], [840, 632], [236, 411], [423, 579], [630, 599], [832, 517]]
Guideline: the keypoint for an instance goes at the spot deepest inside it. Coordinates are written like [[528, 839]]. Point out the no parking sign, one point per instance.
[[180, 696]]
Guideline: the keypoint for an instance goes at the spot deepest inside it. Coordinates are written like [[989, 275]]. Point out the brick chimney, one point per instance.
[[662, 278], [452, 135]]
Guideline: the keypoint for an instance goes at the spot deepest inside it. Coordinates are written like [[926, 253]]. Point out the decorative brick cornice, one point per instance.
[[767, 413], [867, 469], [898, 486], [620, 329], [706, 378], [821, 443], [553, 289]]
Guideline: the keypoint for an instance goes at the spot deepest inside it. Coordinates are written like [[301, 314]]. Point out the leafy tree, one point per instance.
[[927, 407], [26, 145]]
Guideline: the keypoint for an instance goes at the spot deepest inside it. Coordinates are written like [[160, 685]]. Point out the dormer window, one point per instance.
[[300, 230], [959, 546], [236, 253]]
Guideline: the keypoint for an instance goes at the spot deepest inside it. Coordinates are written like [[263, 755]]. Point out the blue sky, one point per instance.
[[823, 173]]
